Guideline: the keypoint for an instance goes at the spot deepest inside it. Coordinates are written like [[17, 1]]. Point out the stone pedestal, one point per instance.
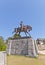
[[22, 46]]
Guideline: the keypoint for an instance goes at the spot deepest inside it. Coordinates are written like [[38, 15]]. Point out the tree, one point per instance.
[[2, 44], [9, 38]]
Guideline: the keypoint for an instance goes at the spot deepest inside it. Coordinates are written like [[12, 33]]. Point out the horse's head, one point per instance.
[[29, 28]]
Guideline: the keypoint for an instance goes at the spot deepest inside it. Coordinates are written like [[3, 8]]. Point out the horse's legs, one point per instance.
[[25, 34], [29, 34], [19, 32]]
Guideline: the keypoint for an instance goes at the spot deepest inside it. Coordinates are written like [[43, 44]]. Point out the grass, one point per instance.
[[22, 60]]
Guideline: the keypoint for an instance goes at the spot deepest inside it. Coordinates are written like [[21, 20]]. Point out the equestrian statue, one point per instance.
[[23, 28]]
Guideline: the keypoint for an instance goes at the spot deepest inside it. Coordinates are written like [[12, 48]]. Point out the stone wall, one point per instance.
[[22, 46], [3, 59]]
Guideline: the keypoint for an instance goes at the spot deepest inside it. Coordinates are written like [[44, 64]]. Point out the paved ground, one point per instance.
[[42, 52], [41, 49]]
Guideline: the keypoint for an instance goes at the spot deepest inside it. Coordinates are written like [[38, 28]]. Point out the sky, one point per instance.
[[31, 12]]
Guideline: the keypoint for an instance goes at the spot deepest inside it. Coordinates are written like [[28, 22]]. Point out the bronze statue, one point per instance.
[[23, 28]]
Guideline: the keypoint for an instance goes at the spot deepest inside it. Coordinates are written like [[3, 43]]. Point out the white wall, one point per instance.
[[2, 58]]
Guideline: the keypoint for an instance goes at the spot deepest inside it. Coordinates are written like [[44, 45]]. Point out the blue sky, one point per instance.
[[31, 12]]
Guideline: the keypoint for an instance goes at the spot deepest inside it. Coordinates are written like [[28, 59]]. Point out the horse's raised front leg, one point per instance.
[[19, 32], [29, 34], [25, 34]]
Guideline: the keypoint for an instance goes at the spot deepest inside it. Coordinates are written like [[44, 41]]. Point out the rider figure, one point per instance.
[[22, 25]]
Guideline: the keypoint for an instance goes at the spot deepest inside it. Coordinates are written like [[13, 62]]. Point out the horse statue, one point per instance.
[[23, 28]]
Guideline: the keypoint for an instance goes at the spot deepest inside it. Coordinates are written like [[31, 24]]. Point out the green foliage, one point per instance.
[[16, 36], [2, 44], [8, 39]]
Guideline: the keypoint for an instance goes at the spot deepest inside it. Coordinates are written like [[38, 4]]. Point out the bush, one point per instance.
[[2, 45], [3, 48], [16, 36]]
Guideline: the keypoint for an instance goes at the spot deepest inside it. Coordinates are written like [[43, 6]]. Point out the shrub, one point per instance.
[[16, 36], [2, 45]]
